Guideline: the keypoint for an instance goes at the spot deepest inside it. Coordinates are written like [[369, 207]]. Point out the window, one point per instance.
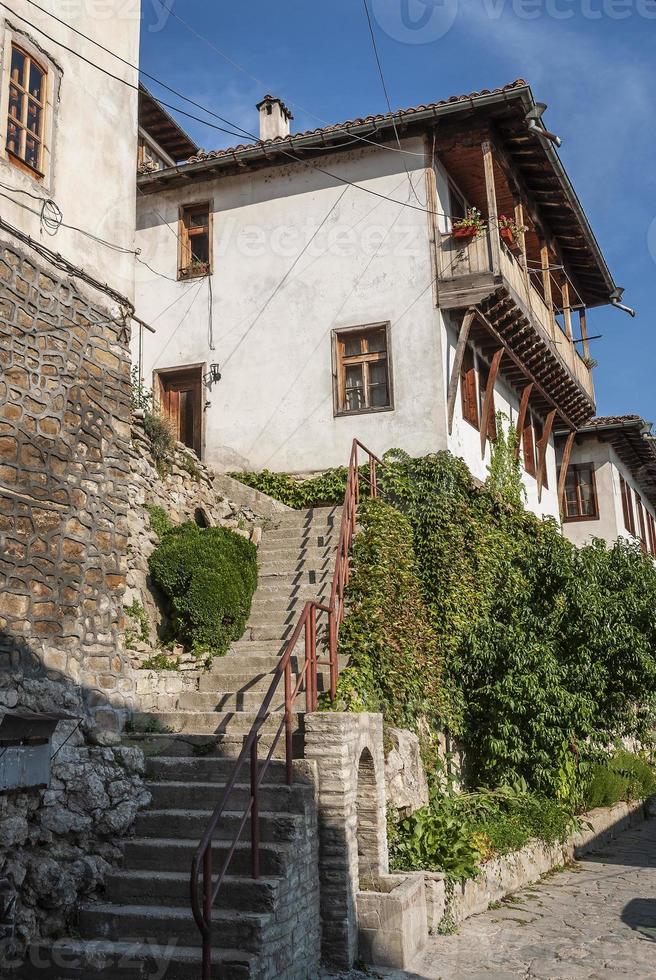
[[27, 111], [458, 206], [195, 241], [468, 388], [483, 381], [581, 493], [651, 526], [528, 443], [539, 434], [641, 521], [627, 507], [363, 370]]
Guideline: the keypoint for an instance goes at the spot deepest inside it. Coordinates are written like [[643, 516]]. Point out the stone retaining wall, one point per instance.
[[64, 440]]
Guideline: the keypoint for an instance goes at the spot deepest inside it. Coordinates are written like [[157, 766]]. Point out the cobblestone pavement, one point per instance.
[[596, 921]]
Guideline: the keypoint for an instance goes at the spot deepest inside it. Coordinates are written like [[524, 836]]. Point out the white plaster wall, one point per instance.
[[275, 306], [608, 469], [465, 440], [93, 139]]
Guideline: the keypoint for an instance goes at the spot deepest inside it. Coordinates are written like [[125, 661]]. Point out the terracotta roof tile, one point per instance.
[[380, 117]]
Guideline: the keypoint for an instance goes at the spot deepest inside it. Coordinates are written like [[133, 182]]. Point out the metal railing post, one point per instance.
[[332, 639], [255, 811], [207, 914], [288, 724]]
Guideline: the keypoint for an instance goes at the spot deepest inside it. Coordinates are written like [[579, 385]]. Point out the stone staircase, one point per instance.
[[144, 926]]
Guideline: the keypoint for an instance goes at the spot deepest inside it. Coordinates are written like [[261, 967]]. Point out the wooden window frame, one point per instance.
[[16, 159], [627, 507], [573, 470], [641, 523], [484, 371], [528, 446], [469, 389], [185, 267], [341, 362], [651, 528]]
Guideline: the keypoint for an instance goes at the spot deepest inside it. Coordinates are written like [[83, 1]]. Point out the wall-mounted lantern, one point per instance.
[[212, 376], [26, 750]]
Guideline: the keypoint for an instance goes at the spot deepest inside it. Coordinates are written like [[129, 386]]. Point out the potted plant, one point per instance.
[[510, 231], [471, 226]]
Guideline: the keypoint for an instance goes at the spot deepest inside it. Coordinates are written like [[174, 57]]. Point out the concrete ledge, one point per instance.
[[392, 927], [505, 875], [260, 503]]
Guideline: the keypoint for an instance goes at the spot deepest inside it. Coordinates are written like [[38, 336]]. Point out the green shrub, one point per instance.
[[159, 520], [325, 490], [622, 777], [141, 629], [550, 648], [458, 831], [162, 441], [394, 665], [208, 576]]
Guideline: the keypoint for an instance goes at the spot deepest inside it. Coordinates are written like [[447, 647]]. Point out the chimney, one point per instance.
[[274, 118]]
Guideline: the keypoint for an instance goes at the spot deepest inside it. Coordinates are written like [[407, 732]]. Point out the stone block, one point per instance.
[[392, 921]]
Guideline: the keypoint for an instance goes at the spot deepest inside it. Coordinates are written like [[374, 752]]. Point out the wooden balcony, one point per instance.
[[512, 313]]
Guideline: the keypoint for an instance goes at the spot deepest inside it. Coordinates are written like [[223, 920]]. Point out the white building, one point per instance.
[[610, 482], [68, 131], [319, 275]]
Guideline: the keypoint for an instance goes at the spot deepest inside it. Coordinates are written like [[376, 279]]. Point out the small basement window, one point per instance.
[[195, 257], [363, 370], [581, 493], [27, 111], [26, 750]]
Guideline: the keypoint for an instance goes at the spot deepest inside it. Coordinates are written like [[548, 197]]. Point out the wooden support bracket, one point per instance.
[[463, 337], [488, 401], [542, 451], [521, 418]]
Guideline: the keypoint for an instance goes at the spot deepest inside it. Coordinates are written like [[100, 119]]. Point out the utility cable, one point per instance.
[[385, 90], [278, 148]]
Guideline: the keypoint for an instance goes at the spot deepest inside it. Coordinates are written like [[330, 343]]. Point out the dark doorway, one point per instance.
[[180, 397]]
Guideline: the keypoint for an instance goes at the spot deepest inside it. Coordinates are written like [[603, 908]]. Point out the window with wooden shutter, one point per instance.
[[538, 428], [641, 523], [528, 445], [581, 493], [195, 253], [627, 507], [468, 391], [27, 111], [363, 377], [483, 382]]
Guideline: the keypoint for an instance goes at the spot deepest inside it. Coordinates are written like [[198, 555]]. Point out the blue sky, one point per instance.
[[592, 61]]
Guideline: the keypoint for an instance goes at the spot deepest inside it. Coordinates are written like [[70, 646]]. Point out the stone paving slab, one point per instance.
[[594, 921]]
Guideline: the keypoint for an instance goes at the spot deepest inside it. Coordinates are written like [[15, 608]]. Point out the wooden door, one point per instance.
[[181, 401]]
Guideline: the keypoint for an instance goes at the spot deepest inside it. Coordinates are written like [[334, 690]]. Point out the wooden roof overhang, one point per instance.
[[529, 165], [632, 440], [156, 121], [530, 358]]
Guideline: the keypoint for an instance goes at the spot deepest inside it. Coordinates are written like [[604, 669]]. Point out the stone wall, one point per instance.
[[348, 751], [185, 490], [64, 439]]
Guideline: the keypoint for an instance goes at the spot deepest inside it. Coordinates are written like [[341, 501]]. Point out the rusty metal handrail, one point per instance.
[[202, 863]]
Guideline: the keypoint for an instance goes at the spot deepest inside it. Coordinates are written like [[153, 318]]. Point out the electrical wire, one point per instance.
[[286, 153], [385, 90], [254, 78]]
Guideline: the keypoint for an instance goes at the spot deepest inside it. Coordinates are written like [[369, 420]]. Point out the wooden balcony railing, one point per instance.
[[467, 264]]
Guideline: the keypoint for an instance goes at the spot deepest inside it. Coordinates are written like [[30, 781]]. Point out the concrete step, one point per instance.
[[77, 959], [243, 930], [294, 599], [205, 701], [240, 892], [207, 722], [332, 513], [274, 827], [194, 745], [308, 537], [153, 854], [248, 682], [293, 565], [180, 795], [296, 557], [213, 769], [293, 581]]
